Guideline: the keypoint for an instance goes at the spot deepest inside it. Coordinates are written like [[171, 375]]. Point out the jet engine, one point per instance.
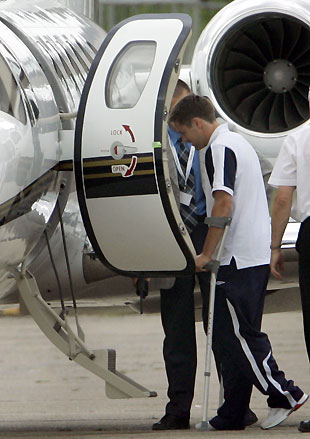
[[253, 61]]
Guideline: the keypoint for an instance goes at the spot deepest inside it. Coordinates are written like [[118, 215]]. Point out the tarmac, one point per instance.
[[44, 395]]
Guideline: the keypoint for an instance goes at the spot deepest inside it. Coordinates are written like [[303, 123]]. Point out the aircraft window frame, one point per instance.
[[117, 67], [12, 101]]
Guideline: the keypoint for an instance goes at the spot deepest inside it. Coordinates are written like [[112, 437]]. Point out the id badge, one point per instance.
[[185, 198]]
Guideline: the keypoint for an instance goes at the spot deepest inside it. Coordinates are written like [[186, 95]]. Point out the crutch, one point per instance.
[[213, 266]]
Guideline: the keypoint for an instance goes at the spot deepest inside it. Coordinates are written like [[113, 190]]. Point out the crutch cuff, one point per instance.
[[218, 221]]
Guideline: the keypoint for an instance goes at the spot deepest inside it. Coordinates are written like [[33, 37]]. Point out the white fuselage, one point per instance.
[[45, 54]]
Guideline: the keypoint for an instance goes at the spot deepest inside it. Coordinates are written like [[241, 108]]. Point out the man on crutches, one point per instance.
[[233, 186]]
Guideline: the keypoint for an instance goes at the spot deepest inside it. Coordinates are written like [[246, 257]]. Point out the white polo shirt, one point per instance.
[[229, 163], [292, 168]]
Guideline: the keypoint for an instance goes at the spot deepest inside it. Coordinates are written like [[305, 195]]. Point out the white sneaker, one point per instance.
[[278, 415]]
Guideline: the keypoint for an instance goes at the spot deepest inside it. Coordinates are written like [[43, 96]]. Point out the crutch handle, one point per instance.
[[212, 266]]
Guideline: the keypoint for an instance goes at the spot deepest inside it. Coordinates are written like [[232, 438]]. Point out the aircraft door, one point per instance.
[[121, 164]]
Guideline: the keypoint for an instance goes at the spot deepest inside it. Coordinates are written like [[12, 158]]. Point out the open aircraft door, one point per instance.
[[121, 166]]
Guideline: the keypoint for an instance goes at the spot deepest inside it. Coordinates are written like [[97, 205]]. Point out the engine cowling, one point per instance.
[[253, 60]]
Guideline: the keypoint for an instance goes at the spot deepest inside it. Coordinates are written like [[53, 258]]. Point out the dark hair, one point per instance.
[[180, 87], [192, 106]]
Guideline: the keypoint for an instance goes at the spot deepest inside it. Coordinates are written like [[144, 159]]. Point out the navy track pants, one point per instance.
[[242, 350]]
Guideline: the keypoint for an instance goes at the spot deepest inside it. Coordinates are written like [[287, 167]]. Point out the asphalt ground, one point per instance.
[[44, 395]]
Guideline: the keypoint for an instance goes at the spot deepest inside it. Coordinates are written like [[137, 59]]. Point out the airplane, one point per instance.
[[83, 116]]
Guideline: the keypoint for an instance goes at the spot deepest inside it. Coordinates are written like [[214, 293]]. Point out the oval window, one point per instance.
[[129, 74]]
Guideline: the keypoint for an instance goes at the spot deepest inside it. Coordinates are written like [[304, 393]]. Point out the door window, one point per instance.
[[129, 74]]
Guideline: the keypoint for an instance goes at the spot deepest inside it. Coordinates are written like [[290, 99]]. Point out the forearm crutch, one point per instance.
[[213, 266]]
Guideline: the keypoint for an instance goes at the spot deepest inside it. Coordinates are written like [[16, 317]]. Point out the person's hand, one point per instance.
[[201, 261], [277, 263]]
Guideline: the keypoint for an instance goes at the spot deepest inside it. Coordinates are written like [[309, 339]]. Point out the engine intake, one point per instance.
[[253, 60], [261, 73]]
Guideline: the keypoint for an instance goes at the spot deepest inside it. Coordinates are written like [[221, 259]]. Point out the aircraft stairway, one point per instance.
[[101, 362]]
